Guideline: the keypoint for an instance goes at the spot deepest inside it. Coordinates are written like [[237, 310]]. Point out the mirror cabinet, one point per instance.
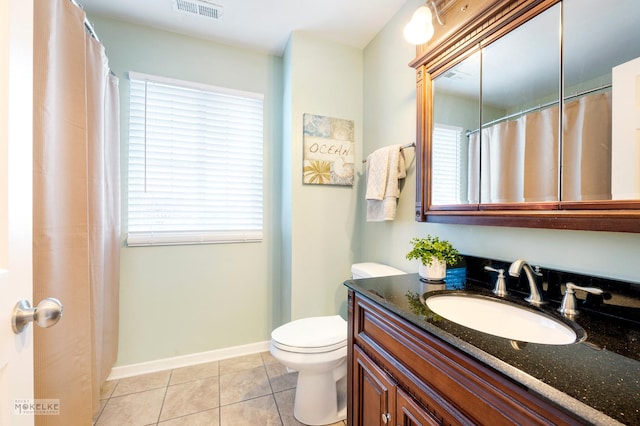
[[529, 115]]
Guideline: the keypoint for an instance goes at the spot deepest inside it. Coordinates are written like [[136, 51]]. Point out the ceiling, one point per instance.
[[260, 24]]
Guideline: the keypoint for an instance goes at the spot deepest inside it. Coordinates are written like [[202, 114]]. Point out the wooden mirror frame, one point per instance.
[[470, 26]]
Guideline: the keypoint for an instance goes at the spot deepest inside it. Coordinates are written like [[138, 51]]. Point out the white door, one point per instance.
[[16, 142]]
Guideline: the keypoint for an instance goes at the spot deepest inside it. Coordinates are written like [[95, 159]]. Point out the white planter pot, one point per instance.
[[434, 272]]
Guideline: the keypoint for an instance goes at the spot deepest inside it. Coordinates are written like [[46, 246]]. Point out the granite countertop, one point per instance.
[[597, 379]]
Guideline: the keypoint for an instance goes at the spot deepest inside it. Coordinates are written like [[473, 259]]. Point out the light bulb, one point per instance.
[[422, 14], [419, 29]]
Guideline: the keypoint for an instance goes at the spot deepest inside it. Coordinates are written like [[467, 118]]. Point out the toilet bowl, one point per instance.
[[316, 348]]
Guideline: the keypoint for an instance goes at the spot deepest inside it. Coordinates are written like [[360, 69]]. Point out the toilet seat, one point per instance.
[[311, 335]]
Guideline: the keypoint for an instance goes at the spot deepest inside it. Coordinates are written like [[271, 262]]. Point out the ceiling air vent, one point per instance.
[[200, 8], [456, 75]]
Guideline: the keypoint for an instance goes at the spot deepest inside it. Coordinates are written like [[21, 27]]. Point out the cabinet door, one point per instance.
[[409, 413], [374, 393]]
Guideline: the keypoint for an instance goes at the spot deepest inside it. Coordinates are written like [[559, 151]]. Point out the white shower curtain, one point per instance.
[[518, 160], [76, 238], [541, 156], [502, 149], [586, 148]]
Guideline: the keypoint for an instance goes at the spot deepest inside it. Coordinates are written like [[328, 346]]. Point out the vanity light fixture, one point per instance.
[[419, 29]]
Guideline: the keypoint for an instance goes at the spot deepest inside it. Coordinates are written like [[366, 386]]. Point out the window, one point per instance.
[[195, 163], [447, 152]]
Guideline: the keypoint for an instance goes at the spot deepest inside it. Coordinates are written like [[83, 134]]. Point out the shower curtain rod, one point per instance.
[[87, 25], [405, 146], [90, 30], [540, 107]]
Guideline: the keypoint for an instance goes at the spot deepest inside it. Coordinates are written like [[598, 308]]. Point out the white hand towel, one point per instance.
[[377, 172], [383, 187]]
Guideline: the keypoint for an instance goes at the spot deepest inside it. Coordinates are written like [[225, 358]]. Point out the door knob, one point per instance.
[[46, 314]]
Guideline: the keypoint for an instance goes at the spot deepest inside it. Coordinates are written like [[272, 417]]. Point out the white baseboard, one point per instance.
[[186, 360]]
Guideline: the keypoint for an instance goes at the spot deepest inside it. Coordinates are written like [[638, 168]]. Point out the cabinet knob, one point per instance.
[[386, 417]]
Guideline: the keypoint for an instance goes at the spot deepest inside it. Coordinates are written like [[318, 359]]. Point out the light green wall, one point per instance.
[[325, 78], [187, 299], [389, 100], [287, 187], [390, 118]]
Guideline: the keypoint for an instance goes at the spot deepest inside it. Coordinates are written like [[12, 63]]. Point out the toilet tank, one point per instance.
[[372, 269]]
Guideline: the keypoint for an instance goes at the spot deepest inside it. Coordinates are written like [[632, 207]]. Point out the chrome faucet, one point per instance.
[[535, 298], [569, 307]]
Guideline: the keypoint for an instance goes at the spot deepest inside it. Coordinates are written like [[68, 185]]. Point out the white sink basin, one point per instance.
[[502, 319]]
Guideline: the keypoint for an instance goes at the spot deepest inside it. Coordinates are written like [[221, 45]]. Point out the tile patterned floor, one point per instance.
[[252, 390]]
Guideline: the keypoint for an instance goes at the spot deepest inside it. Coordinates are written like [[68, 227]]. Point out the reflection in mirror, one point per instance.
[[520, 119], [601, 148], [456, 100]]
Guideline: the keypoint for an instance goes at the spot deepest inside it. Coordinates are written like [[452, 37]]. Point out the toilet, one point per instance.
[[316, 348]]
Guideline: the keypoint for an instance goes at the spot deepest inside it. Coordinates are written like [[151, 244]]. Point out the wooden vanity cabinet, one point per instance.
[[400, 374]]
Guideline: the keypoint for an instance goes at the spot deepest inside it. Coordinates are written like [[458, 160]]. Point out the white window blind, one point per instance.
[[446, 164], [195, 163]]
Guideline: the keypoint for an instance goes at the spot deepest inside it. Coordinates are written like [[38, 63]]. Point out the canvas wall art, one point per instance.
[[328, 150]]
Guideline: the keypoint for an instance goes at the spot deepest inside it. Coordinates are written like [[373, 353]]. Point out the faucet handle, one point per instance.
[[568, 306], [500, 289], [489, 268], [594, 290]]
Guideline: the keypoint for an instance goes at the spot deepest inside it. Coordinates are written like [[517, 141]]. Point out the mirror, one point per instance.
[[600, 152], [520, 94], [499, 139], [456, 100]]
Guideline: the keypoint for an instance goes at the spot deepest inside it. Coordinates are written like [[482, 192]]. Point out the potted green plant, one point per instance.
[[434, 254]]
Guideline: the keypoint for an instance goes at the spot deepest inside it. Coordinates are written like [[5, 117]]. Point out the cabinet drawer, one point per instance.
[[455, 387]]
